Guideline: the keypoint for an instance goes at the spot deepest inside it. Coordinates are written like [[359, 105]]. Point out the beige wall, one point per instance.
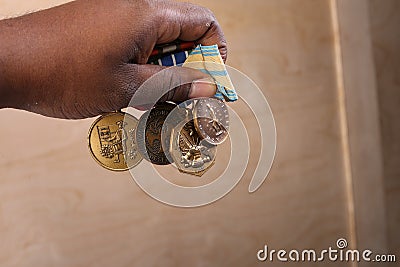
[[58, 208]]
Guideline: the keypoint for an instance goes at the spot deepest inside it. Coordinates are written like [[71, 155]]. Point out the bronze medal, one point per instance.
[[190, 153], [211, 119], [112, 141], [148, 135]]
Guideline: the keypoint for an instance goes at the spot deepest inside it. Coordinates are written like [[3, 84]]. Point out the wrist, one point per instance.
[[14, 72], [4, 84]]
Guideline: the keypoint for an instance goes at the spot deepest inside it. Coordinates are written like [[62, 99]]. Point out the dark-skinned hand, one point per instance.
[[88, 57]]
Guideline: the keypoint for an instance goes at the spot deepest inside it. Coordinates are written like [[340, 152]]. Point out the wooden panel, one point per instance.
[[385, 21], [362, 116], [58, 208]]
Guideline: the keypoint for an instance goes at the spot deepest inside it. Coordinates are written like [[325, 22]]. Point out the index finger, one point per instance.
[[189, 22]]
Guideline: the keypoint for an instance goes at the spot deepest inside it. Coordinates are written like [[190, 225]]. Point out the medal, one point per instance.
[[211, 119], [148, 134], [189, 138], [112, 141], [190, 153]]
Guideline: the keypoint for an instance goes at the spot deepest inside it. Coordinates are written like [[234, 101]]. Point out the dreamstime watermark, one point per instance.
[[155, 185], [339, 253]]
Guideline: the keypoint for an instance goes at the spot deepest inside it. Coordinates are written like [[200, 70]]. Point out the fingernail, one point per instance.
[[202, 88]]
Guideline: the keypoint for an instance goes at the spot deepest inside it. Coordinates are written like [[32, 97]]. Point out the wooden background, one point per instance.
[[330, 70]]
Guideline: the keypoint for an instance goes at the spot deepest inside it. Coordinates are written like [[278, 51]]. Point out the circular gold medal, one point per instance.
[[211, 118], [112, 141], [149, 133], [190, 153]]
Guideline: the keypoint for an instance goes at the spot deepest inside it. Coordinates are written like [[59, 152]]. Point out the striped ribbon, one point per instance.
[[208, 60]]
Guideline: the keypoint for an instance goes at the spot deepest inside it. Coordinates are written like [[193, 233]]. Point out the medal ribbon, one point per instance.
[[208, 60]]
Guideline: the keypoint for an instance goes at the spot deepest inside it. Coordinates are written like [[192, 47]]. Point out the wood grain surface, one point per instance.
[[386, 41]]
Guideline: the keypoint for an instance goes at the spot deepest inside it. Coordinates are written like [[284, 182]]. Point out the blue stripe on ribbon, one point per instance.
[[180, 58], [167, 61], [209, 48], [218, 72], [211, 54]]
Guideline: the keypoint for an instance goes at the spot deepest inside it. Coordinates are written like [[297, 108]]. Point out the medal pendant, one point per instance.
[[149, 134], [112, 141], [211, 119], [191, 154]]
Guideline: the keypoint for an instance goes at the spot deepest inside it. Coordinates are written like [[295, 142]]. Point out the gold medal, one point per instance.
[[211, 119], [112, 141], [190, 153]]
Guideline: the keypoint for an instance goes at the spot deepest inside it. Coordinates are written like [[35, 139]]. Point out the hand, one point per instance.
[[89, 57]]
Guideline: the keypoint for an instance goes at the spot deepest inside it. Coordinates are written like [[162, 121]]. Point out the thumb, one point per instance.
[[150, 84]]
